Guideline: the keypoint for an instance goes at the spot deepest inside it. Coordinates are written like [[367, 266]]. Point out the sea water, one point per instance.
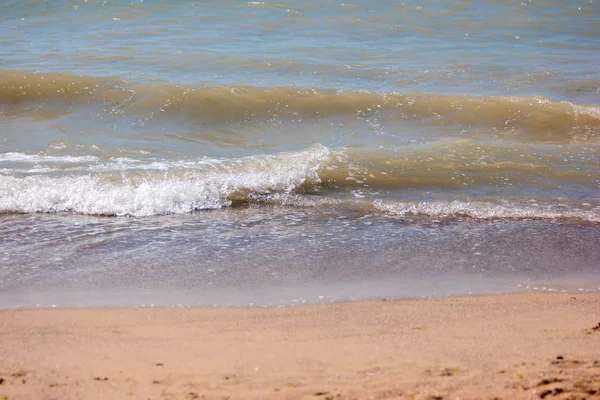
[[274, 153]]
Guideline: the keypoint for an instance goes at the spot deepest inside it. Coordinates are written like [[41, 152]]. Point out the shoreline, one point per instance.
[[533, 289], [248, 263], [529, 345]]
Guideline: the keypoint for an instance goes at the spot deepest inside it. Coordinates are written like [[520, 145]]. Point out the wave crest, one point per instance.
[[542, 119], [210, 184]]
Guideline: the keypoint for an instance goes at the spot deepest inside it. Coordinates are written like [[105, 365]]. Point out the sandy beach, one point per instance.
[[494, 347]]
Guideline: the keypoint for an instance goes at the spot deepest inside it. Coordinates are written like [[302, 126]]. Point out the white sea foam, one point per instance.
[[486, 210], [35, 158], [213, 184]]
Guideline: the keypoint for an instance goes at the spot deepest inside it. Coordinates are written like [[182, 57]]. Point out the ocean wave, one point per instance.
[[543, 119], [287, 179], [151, 185], [214, 184], [444, 163]]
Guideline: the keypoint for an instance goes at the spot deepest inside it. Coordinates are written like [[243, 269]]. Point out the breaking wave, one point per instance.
[[314, 177], [160, 188]]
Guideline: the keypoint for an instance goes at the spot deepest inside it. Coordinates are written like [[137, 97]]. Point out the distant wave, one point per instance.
[[541, 118]]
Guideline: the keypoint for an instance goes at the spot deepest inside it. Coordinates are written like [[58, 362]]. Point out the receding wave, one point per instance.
[[438, 210], [543, 119], [487, 210]]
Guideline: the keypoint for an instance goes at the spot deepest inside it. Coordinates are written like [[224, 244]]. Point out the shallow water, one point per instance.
[[271, 256], [144, 145]]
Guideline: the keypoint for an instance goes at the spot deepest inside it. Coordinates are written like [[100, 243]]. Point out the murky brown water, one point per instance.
[[123, 123]]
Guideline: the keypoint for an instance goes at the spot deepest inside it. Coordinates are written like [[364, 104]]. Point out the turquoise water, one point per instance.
[[145, 144]]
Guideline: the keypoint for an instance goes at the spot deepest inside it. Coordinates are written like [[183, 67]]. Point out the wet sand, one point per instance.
[[510, 346]]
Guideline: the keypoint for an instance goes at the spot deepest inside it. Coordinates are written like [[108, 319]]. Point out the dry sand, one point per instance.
[[522, 346]]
